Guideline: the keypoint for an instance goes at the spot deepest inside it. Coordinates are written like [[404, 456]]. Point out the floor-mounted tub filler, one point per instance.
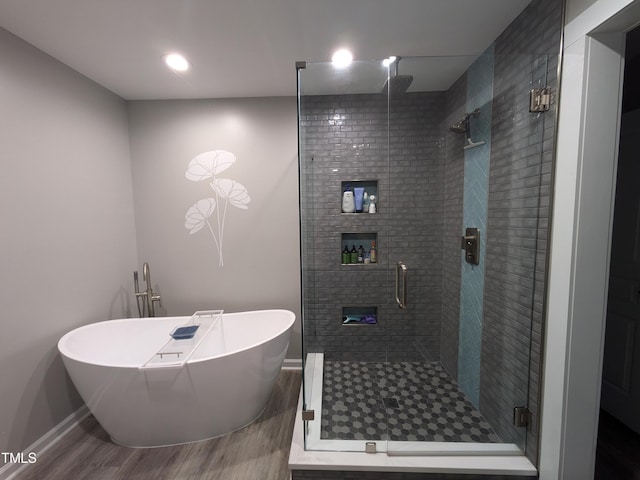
[[148, 388]]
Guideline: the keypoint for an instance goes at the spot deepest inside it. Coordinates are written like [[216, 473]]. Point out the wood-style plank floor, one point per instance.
[[259, 451]]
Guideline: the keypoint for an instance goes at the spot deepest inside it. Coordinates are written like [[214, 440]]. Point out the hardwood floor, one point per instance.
[[258, 451], [618, 451]]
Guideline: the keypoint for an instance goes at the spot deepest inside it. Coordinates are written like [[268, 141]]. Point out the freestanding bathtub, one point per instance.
[[224, 386]]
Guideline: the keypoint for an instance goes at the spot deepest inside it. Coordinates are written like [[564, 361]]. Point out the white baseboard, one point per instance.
[[289, 364], [10, 470]]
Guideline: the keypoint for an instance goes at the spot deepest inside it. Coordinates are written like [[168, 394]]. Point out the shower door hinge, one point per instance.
[[539, 99], [308, 415], [521, 416]]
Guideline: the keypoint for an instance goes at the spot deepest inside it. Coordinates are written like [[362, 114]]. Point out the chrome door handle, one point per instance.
[[401, 267]]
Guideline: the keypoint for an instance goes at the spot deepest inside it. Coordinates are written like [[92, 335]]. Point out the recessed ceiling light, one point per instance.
[[342, 58], [176, 62]]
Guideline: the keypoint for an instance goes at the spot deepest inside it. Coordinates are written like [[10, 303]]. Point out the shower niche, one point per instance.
[[359, 248], [365, 193], [352, 316]]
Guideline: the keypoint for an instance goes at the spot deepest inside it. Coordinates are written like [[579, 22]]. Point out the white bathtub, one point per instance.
[[223, 387]]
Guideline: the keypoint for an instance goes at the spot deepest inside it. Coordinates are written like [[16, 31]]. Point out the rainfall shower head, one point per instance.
[[396, 83], [399, 84]]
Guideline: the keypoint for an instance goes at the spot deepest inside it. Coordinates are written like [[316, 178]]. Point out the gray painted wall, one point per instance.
[[576, 7], [71, 157], [67, 238], [261, 243]]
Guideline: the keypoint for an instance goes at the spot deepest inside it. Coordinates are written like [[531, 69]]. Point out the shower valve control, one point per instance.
[[471, 245]]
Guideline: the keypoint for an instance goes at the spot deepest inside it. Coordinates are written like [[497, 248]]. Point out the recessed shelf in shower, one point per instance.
[[366, 188], [363, 245], [352, 316]]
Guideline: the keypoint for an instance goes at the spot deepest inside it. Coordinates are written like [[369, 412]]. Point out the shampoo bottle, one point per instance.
[[354, 255], [346, 256], [348, 201]]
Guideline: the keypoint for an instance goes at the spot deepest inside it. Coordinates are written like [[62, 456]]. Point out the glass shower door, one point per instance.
[[343, 158], [429, 411], [468, 182]]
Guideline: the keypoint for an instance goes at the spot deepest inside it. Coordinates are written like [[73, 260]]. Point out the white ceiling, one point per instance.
[[246, 48]]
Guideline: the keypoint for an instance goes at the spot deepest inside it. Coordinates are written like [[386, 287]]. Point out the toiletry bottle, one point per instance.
[[373, 252], [346, 256], [365, 203], [372, 204], [358, 193], [354, 254], [360, 254], [367, 257], [348, 201]]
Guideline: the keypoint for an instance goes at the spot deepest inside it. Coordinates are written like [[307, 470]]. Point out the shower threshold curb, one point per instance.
[[397, 461]]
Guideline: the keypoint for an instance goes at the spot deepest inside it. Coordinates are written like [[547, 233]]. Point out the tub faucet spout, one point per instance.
[[148, 296]]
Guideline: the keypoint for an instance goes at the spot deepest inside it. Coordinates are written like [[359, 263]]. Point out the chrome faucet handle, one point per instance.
[[155, 297]]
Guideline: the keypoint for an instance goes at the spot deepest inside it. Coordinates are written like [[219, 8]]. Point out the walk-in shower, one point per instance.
[[445, 373]]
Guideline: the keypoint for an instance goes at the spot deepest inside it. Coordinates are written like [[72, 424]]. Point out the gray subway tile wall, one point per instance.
[[452, 212], [519, 193], [345, 138]]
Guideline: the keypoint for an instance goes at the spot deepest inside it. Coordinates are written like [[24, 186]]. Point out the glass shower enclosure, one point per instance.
[[423, 194]]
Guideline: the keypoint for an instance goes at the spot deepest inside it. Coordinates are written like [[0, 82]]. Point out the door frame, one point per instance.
[[580, 241]]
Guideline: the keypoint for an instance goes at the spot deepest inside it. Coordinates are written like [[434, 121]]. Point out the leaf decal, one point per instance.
[[232, 191], [198, 214], [209, 164]]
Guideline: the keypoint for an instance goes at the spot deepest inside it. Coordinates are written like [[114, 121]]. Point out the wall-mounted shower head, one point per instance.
[[460, 126]]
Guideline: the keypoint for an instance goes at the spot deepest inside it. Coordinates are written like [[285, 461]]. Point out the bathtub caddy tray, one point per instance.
[[178, 350]]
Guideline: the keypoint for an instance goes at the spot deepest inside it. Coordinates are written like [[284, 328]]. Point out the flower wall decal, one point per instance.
[[207, 166]]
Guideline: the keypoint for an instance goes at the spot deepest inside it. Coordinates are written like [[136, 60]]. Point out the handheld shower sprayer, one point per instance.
[[464, 126]]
